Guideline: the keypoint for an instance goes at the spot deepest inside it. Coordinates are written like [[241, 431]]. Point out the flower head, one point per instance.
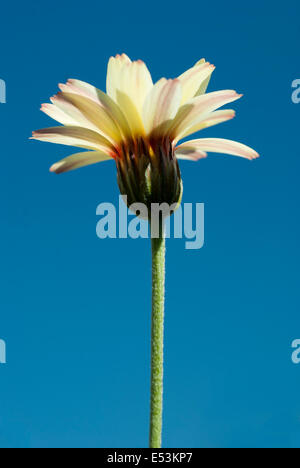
[[139, 124]]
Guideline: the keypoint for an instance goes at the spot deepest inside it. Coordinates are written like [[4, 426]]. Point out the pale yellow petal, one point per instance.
[[57, 114], [204, 85], [72, 112], [128, 84], [118, 73], [132, 78], [137, 83], [200, 62], [114, 76], [102, 99], [131, 113], [193, 79], [79, 160], [95, 114]]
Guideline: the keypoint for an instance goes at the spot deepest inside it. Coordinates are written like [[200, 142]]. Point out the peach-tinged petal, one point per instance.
[[219, 145], [193, 79], [79, 160], [161, 106], [193, 111], [150, 105], [209, 120], [74, 136]]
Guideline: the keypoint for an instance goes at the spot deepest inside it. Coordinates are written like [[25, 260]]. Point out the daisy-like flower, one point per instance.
[[139, 124]]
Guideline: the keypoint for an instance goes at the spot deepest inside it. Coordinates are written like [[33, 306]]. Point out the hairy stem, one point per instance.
[[157, 339]]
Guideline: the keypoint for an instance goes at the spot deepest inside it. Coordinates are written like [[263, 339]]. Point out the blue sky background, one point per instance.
[[75, 310]]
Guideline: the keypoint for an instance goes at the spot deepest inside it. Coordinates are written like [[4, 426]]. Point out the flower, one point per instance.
[[139, 124]]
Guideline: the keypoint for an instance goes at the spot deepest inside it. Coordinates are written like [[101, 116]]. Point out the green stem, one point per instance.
[[157, 339]]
